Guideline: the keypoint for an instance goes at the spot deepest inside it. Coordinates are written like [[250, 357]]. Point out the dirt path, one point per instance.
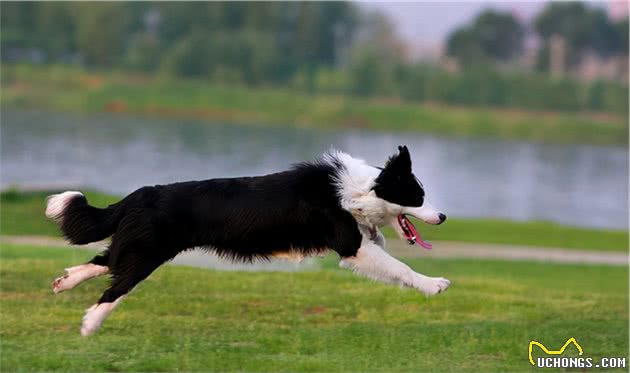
[[442, 249]]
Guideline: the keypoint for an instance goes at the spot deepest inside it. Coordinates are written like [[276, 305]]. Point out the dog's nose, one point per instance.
[[442, 218]]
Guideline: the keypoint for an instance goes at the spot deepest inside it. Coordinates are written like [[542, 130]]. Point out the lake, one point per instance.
[[570, 184]]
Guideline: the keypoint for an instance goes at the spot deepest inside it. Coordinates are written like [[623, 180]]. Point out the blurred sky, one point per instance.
[[424, 26]]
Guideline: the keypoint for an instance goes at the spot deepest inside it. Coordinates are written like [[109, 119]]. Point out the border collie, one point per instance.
[[336, 203]]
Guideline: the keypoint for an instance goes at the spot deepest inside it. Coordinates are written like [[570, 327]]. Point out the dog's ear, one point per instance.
[[397, 169], [403, 154], [399, 163]]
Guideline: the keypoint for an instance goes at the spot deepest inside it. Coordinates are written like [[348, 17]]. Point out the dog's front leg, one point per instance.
[[372, 261]]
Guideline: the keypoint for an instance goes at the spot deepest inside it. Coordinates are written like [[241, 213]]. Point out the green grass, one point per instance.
[[22, 213], [533, 233], [71, 89], [186, 319]]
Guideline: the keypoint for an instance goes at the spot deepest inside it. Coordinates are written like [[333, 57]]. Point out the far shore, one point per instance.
[[74, 90]]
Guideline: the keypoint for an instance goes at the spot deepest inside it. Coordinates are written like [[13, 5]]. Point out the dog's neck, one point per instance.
[[355, 182]]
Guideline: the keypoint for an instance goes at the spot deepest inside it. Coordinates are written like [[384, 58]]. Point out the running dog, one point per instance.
[[336, 203]]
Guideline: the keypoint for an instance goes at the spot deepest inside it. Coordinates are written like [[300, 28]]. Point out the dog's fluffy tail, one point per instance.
[[81, 223]]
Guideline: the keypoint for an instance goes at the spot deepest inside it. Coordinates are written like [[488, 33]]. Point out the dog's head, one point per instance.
[[404, 194]]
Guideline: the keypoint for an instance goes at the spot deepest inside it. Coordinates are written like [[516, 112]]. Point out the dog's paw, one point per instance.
[[65, 282], [58, 284], [91, 321], [434, 285]]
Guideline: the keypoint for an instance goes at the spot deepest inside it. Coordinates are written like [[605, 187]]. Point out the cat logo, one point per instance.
[[553, 352]]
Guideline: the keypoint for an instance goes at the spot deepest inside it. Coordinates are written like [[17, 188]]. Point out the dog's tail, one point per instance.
[[81, 223]]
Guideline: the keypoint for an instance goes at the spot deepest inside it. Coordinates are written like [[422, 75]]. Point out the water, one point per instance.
[[570, 184]]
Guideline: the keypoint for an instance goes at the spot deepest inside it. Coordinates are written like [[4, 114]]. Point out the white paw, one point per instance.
[[90, 322], [95, 315], [58, 285], [77, 274], [433, 285], [64, 282]]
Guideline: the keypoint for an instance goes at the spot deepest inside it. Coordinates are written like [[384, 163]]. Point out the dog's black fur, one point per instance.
[[240, 218], [335, 203]]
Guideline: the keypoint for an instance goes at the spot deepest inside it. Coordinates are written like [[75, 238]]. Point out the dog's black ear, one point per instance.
[[399, 163], [403, 153], [403, 159]]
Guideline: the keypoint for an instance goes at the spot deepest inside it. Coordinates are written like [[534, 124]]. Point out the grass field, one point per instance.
[[68, 89], [22, 213], [185, 319]]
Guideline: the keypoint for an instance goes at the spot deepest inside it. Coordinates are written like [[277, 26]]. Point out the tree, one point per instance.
[[583, 29], [492, 36], [375, 57], [18, 24], [144, 52], [622, 30], [101, 32], [56, 21]]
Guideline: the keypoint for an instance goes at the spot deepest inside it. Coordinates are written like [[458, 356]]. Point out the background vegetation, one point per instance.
[[70, 89], [328, 47]]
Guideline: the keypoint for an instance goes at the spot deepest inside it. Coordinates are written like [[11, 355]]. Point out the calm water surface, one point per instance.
[[570, 184]]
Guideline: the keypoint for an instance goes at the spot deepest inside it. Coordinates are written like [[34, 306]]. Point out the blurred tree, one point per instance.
[[492, 36], [18, 24], [583, 28], [622, 30], [250, 53], [101, 31], [144, 52], [464, 46], [375, 57], [188, 57], [180, 17], [56, 21]]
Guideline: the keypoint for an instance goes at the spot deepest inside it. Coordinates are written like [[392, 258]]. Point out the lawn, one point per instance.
[[187, 319], [76, 90], [22, 213]]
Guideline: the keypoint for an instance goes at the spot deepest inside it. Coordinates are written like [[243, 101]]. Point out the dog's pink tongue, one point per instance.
[[419, 240]]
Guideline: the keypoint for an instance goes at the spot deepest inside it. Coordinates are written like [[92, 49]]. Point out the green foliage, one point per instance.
[[241, 56], [189, 319], [144, 53], [69, 89], [369, 75], [255, 42], [488, 87], [23, 214], [188, 57], [492, 36], [317, 47], [622, 31], [583, 28], [101, 30]]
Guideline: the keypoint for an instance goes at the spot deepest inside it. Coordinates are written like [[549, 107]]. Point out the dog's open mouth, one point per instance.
[[410, 232]]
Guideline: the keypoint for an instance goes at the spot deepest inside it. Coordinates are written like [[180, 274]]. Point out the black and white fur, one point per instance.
[[334, 203]]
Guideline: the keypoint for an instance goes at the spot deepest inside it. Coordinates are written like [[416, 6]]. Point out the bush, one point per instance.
[[490, 87]]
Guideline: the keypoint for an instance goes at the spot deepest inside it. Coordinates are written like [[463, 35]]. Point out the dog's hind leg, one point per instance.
[[138, 248], [130, 271], [77, 274]]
